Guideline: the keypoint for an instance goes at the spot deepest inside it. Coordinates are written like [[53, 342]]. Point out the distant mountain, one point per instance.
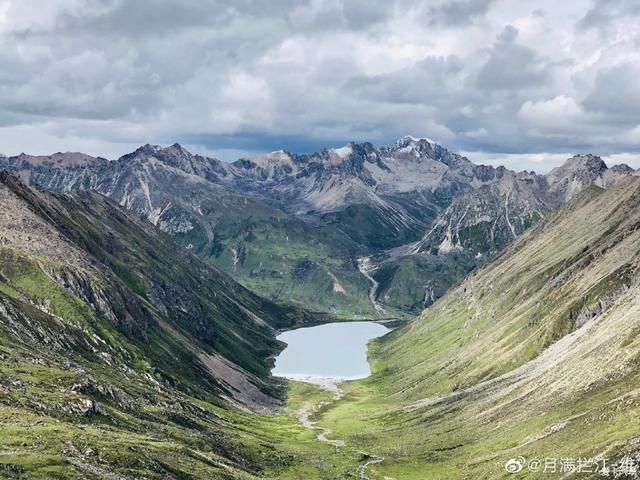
[[485, 220], [381, 197], [188, 196], [299, 228]]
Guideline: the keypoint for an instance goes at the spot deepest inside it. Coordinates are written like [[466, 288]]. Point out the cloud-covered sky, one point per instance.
[[507, 81]]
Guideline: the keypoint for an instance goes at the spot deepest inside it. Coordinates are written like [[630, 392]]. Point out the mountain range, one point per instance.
[[357, 232], [128, 350]]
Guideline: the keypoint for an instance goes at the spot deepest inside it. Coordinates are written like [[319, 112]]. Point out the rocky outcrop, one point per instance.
[[487, 219]]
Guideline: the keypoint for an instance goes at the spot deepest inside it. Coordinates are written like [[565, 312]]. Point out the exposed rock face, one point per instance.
[[487, 219], [83, 261], [396, 191], [579, 172], [400, 188], [165, 185], [338, 204]]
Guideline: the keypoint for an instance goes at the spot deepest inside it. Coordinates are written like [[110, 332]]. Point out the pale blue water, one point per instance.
[[335, 350]]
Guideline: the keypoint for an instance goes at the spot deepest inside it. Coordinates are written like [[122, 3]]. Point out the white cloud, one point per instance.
[[538, 162], [525, 77], [4, 10], [553, 116]]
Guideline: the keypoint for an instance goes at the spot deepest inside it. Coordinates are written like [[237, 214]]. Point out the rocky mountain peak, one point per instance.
[[578, 166], [412, 147], [588, 162], [148, 149], [338, 155], [57, 160], [176, 150], [409, 148], [411, 141], [178, 157], [280, 157], [622, 168], [575, 175]]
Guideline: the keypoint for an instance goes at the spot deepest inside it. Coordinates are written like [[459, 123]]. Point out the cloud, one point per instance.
[[489, 76], [606, 14], [615, 93], [458, 12], [512, 66], [552, 116]]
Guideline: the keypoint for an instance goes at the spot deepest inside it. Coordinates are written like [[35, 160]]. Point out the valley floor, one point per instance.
[[460, 437]]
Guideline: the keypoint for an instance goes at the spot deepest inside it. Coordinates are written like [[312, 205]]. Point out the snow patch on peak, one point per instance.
[[410, 139], [147, 150], [342, 152], [277, 155]]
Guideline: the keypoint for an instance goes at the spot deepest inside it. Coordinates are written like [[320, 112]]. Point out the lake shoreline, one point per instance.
[[327, 353]]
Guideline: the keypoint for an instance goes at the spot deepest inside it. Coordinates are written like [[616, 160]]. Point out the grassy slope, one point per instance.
[[101, 322], [145, 431], [534, 355], [288, 261], [409, 284]]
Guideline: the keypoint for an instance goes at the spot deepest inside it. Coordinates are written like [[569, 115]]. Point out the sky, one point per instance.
[[514, 82]]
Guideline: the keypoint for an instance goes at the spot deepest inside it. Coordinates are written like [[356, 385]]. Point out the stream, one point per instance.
[[304, 416], [366, 268], [328, 355]]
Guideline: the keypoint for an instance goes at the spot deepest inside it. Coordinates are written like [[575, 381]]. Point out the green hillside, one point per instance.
[[534, 355], [124, 356]]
